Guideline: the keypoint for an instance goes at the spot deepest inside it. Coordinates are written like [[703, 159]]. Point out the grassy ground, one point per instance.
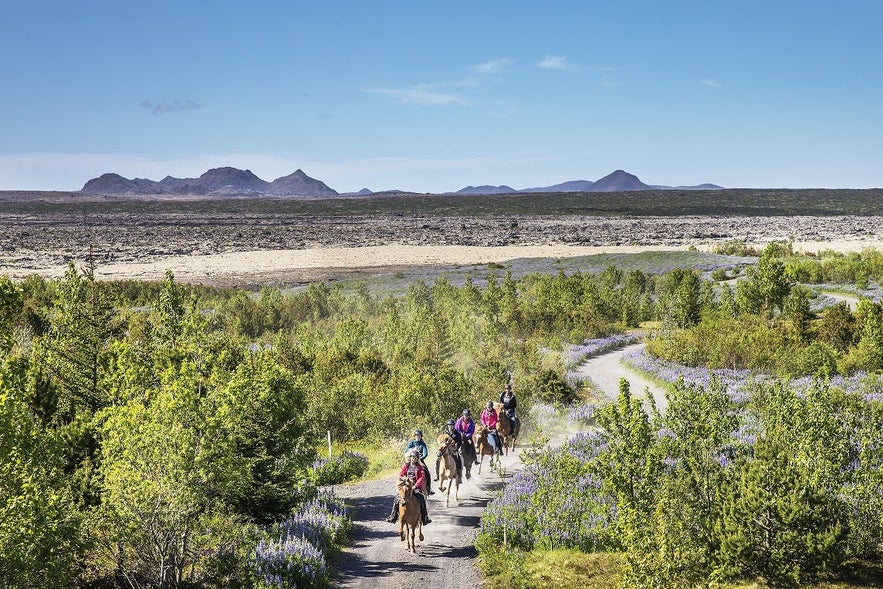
[[543, 569], [654, 262], [384, 458]]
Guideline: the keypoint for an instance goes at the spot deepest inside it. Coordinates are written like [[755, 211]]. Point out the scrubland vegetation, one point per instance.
[[162, 435], [763, 469]]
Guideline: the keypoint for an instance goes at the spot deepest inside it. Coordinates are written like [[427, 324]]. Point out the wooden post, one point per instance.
[[329, 444]]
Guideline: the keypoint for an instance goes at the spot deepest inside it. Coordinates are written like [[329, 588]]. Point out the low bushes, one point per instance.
[[339, 469], [780, 483]]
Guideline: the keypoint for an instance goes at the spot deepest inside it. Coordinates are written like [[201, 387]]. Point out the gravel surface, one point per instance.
[[446, 559], [605, 371], [377, 559]]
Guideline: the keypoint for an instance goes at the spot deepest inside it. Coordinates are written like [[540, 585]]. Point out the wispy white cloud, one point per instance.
[[421, 95], [557, 62], [711, 83], [166, 106], [491, 67]]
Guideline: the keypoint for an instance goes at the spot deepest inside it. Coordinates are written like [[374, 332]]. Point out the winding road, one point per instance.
[[446, 559], [605, 371]]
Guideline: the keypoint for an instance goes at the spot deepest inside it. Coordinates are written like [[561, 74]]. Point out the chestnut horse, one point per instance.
[[505, 428], [448, 471], [483, 448], [410, 520]]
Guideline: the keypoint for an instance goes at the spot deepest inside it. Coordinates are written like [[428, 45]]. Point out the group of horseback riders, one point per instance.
[[460, 432]]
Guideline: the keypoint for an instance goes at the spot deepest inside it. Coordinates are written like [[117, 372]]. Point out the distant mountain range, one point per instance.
[[216, 182], [229, 181], [618, 181]]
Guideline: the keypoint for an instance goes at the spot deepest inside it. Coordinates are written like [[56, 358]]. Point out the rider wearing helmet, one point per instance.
[[465, 426], [451, 431], [507, 398], [413, 469], [418, 444], [489, 419]]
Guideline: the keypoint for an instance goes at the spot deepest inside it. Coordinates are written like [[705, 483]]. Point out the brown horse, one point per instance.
[[504, 426], [483, 448], [448, 471], [467, 455], [409, 514]]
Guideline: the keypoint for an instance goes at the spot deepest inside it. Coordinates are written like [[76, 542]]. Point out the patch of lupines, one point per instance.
[[737, 382], [293, 553], [576, 354], [345, 467], [323, 521], [288, 563], [554, 501], [544, 416], [584, 413]]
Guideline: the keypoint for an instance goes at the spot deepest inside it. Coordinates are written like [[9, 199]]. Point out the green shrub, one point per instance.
[[339, 469]]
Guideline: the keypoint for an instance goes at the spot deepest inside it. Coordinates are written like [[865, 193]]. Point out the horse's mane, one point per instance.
[[405, 487]]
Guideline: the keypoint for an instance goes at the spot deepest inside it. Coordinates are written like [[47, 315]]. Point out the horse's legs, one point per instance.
[[402, 528]]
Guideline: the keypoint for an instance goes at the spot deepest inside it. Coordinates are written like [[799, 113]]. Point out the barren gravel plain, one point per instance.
[[251, 243]]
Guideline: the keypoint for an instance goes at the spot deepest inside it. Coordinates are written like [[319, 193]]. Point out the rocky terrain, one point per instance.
[[41, 232], [39, 241]]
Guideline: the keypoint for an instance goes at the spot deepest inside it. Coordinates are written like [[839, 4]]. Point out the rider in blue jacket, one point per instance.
[[418, 444]]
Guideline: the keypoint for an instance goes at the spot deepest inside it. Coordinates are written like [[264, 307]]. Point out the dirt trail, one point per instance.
[[850, 300], [377, 559], [606, 370]]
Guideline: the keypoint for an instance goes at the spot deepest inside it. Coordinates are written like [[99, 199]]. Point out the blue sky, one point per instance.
[[435, 96]]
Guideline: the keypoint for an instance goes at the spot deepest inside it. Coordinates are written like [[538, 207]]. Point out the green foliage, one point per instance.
[[39, 535], [735, 247], [719, 274], [339, 469], [680, 303], [776, 524], [81, 326], [767, 286], [10, 308], [514, 569], [261, 411], [838, 268], [837, 327], [161, 464]]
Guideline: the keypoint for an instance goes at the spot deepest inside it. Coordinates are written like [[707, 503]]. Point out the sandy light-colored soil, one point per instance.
[[304, 265]]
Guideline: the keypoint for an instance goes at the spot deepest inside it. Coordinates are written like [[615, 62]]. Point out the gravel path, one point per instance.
[[377, 559], [605, 371]]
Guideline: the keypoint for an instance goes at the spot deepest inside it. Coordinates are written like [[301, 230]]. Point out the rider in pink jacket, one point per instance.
[[489, 419]]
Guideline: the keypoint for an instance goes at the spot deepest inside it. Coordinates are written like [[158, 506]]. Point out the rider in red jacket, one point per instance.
[[413, 469]]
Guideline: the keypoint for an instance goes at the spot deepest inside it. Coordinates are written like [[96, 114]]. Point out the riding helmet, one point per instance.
[[450, 422], [466, 413], [490, 404], [418, 433]]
